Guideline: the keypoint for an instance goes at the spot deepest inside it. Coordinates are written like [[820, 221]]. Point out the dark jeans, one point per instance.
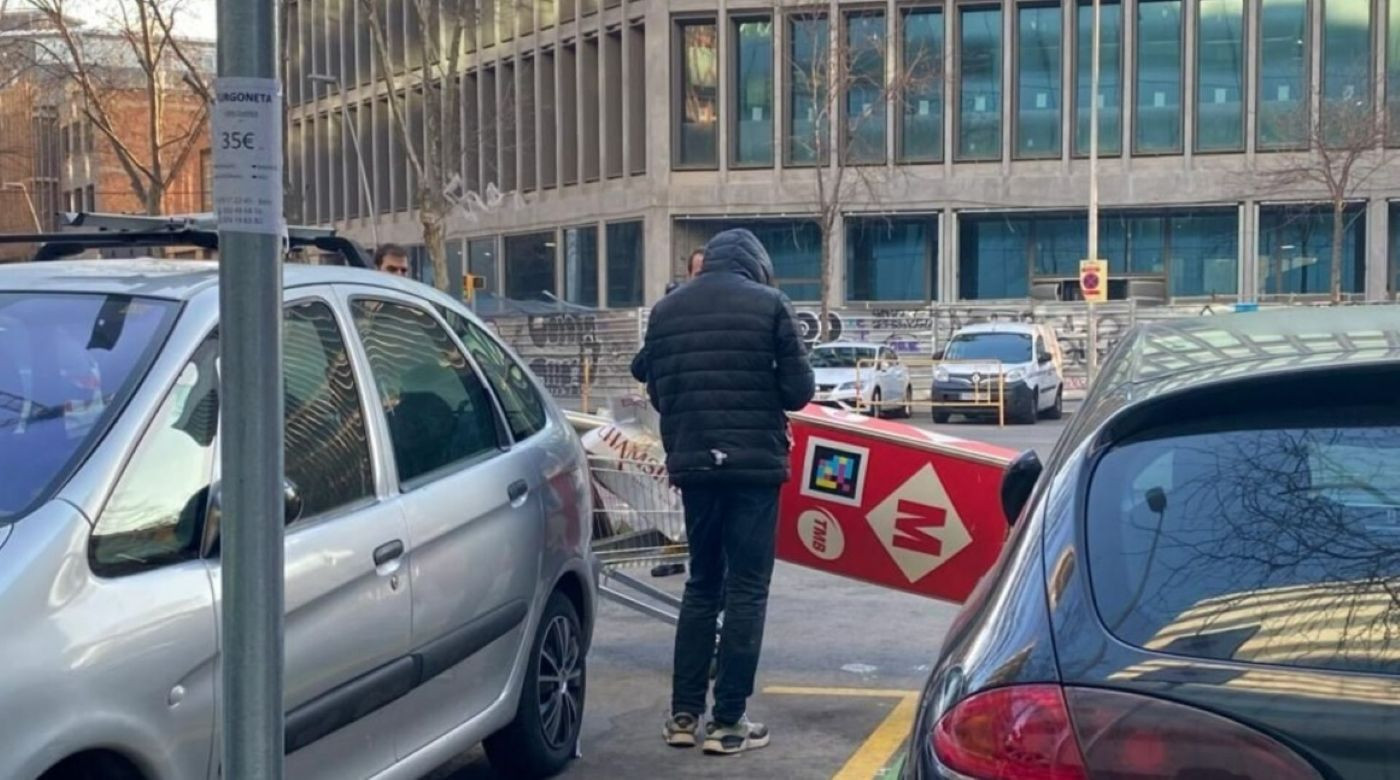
[[730, 530]]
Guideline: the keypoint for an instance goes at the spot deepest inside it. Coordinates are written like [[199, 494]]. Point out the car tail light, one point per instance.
[[1044, 732], [1022, 732], [1124, 735]]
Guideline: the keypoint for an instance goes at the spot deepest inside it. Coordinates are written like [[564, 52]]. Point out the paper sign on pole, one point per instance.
[[1093, 280], [247, 146]]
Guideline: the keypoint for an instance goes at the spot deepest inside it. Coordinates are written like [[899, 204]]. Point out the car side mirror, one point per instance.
[[1018, 481], [1046, 358], [292, 507], [938, 354]]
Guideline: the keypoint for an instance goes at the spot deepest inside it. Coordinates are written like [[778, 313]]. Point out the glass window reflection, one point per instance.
[[1220, 76], [699, 95], [865, 87], [979, 88], [921, 131], [1283, 73], [753, 93], [891, 259], [1157, 123], [808, 137], [1110, 79], [1038, 88]]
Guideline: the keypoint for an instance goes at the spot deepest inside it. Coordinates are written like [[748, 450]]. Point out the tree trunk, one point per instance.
[[433, 219], [1338, 236], [824, 309]]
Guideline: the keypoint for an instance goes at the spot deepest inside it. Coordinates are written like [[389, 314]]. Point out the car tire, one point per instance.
[[1026, 413], [907, 410], [542, 739], [876, 410], [1058, 410], [942, 418]]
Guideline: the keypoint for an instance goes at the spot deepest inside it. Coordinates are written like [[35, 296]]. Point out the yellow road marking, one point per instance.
[[880, 747], [859, 693]]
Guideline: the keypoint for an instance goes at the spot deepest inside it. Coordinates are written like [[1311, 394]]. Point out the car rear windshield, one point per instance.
[[1274, 542], [67, 363], [1002, 347], [841, 357]]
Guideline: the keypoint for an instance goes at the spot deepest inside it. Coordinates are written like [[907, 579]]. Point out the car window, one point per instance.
[[67, 365], [524, 409], [841, 357], [326, 447], [1276, 543], [154, 515], [1001, 347], [438, 410]]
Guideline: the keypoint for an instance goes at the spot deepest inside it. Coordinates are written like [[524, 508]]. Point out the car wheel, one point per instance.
[[543, 736], [942, 418], [907, 410], [1058, 410], [1025, 414], [875, 409]]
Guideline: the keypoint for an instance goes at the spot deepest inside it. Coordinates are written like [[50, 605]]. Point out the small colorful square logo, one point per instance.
[[835, 472]]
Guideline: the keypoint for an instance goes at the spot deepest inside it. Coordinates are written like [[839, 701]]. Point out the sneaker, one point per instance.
[[729, 740], [682, 730]]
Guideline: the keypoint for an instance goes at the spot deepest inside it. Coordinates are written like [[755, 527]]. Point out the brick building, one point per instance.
[[53, 159]]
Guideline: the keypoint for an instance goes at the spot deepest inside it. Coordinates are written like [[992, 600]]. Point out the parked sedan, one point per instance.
[[1202, 583], [439, 590], [868, 376]]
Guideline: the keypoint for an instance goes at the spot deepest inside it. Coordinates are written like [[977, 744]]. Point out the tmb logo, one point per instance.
[[821, 534]]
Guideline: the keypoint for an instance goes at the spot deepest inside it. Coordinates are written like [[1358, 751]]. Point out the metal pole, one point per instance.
[[33, 212], [250, 338], [350, 128], [1092, 334]]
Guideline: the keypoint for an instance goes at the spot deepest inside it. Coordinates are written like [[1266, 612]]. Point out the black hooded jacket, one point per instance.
[[723, 362]]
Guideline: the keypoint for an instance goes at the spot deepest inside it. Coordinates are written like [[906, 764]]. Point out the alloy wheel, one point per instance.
[[560, 682]]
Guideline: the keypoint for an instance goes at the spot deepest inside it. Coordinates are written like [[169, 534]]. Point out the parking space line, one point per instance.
[[878, 749]]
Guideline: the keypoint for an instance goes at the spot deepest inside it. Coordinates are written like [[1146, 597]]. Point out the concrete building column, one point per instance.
[[948, 256], [657, 226], [1249, 250], [1377, 250]]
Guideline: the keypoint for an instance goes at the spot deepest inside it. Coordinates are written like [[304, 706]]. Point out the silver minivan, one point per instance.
[[1023, 360], [439, 588]]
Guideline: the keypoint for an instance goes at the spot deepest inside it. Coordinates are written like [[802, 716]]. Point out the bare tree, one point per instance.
[[442, 26], [141, 61], [1339, 151], [844, 85]]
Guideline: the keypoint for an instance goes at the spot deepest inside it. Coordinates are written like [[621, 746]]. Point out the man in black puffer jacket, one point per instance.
[[723, 363]]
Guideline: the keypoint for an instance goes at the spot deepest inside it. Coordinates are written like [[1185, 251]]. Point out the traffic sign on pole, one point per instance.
[[1093, 280]]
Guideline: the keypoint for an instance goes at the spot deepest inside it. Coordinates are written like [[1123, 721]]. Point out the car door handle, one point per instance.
[[517, 491], [389, 551]]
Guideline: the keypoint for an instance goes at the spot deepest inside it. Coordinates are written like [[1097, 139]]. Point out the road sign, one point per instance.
[[1093, 280], [891, 504]]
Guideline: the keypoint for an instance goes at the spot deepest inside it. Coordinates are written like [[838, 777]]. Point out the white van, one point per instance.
[[1027, 356]]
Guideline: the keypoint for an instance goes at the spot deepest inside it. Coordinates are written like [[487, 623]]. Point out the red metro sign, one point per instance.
[[891, 504]]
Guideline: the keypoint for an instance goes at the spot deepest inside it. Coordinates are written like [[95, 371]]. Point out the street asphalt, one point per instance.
[[841, 664]]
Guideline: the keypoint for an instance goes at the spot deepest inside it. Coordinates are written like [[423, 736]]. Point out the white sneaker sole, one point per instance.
[[679, 739], [715, 747]]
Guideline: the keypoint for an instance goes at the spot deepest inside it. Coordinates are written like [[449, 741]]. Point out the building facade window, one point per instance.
[[1295, 250], [581, 265], [921, 52], [1110, 79], [1392, 277], [891, 258], [481, 261], [1193, 252], [753, 92], [1157, 123], [1346, 55], [1220, 76], [979, 86], [698, 88], [1392, 75], [794, 245], [1283, 74], [626, 266], [1039, 54], [808, 118], [529, 266], [864, 116]]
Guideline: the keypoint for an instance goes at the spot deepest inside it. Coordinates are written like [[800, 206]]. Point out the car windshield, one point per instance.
[[841, 357], [67, 363], [1274, 543], [1001, 347]]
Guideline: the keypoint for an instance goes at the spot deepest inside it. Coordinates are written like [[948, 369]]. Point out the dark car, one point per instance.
[[1204, 581]]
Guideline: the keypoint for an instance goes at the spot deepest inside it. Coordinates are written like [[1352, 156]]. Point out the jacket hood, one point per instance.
[[738, 251]]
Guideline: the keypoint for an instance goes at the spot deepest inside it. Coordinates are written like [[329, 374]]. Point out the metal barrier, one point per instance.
[[985, 389], [638, 521]]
